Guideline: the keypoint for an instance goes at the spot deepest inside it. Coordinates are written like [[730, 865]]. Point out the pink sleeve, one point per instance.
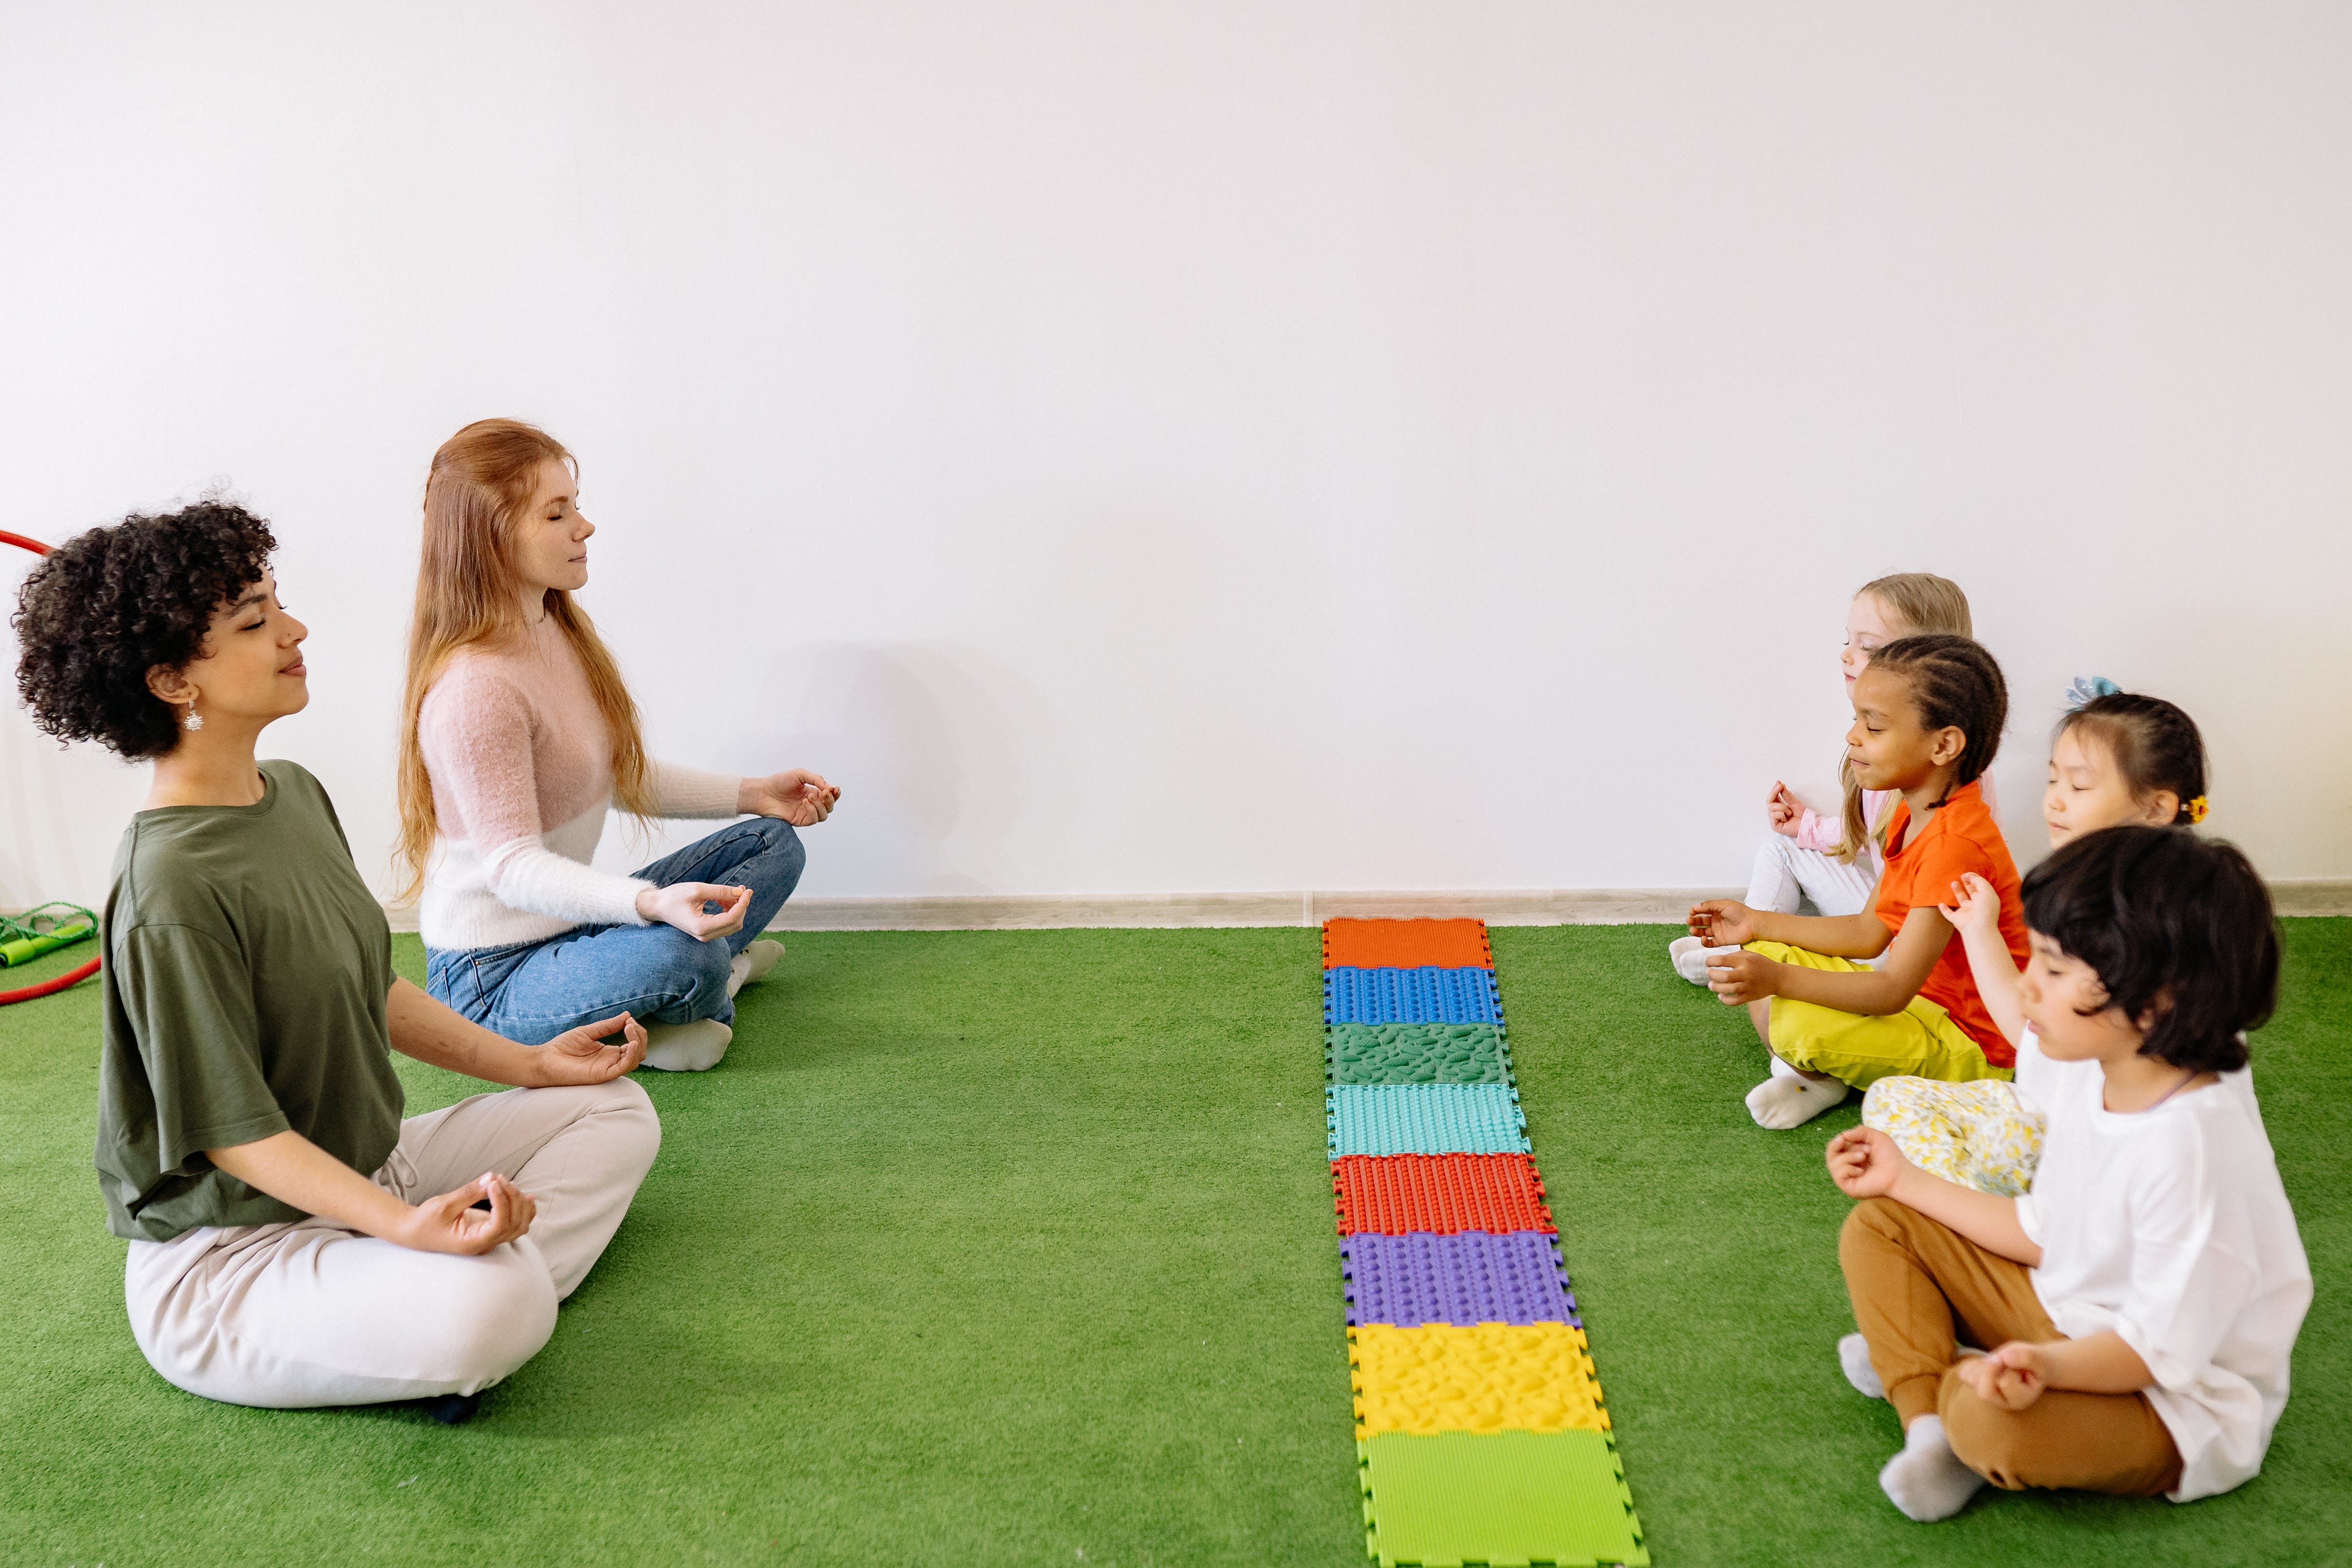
[[1818, 833], [474, 729]]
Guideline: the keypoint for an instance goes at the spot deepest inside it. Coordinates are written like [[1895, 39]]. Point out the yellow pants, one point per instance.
[[1921, 1041]]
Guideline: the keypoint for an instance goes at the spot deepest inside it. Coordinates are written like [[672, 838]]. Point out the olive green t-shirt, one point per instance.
[[246, 968]]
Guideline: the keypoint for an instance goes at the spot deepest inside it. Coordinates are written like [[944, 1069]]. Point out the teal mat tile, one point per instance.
[[1425, 1118]]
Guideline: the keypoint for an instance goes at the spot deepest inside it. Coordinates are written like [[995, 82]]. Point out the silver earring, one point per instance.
[[194, 720]]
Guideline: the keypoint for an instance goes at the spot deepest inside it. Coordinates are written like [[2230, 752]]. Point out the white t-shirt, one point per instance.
[[2171, 1227], [2029, 1089]]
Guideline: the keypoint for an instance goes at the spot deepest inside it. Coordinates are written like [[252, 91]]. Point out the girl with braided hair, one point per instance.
[[1929, 713]]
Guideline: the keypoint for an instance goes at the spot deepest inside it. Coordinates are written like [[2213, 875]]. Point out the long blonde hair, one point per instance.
[[1917, 602], [468, 594]]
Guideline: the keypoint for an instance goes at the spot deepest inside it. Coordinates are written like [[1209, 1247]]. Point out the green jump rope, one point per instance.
[[25, 937]]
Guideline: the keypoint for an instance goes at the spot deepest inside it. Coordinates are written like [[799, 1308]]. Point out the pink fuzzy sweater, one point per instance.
[[522, 779]]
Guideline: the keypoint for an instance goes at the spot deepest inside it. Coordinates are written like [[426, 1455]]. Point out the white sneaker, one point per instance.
[[1690, 954], [687, 1047]]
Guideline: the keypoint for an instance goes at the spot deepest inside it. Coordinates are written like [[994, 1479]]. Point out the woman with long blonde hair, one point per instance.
[[517, 736]]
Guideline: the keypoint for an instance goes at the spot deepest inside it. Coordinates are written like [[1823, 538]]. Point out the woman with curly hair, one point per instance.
[[293, 1241], [517, 738]]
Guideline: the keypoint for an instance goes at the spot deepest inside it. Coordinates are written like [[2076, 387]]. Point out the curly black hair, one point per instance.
[[2174, 924], [105, 608]]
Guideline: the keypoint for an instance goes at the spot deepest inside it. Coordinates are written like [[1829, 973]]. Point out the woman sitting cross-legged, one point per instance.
[[293, 1241], [519, 736]]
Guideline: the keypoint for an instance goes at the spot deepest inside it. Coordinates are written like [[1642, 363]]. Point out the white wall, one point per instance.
[[1174, 446]]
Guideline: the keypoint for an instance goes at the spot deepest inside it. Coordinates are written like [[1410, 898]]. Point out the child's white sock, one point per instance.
[[687, 1047], [1782, 1103], [1782, 1069], [1690, 955], [751, 965], [1854, 1360], [1926, 1480]]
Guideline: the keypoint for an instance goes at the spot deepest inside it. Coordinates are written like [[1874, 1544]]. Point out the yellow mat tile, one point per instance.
[[1487, 1377]]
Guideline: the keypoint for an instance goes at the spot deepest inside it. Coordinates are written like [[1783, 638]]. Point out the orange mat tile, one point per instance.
[[1406, 944]]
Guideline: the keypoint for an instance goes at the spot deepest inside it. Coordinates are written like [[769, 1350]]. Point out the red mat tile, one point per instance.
[[1406, 944], [1442, 1194]]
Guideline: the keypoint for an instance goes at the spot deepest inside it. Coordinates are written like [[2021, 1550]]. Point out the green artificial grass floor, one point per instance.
[[1017, 1248]]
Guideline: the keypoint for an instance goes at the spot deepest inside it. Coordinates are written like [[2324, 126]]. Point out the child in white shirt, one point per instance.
[[2143, 1302]]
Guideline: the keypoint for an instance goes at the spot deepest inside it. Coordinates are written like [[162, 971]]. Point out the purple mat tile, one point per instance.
[[1471, 1277]]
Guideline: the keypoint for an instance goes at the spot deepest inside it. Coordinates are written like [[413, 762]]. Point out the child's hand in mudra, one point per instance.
[[1783, 810], [1864, 1163], [1723, 923], [1739, 978], [2012, 1377], [1975, 906]]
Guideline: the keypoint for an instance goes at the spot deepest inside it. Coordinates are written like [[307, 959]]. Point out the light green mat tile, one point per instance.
[[1500, 1499]]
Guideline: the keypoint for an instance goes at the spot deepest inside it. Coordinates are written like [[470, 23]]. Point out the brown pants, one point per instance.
[[1916, 1283]]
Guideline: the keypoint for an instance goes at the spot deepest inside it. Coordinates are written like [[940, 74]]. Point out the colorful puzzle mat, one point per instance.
[[1482, 1436]]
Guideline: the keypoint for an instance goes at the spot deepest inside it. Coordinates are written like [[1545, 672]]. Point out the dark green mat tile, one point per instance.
[[1415, 1053]]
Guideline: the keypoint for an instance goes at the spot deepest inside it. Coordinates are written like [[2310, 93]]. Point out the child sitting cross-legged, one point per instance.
[[2118, 757], [1929, 713], [2143, 1300]]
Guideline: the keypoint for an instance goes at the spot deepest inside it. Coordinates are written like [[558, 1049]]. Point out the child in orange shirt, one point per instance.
[[1929, 714]]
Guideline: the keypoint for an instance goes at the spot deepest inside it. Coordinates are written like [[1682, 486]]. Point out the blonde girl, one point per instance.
[[2119, 758], [517, 737], [1834, 862]]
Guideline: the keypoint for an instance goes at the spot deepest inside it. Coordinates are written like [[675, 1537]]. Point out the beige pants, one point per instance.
[[309, 1313], [1916, 1283]]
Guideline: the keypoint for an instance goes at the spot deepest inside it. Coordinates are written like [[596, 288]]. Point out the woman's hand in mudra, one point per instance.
[[451, 1222], [795, 795], [681, 905], [581, 1054]]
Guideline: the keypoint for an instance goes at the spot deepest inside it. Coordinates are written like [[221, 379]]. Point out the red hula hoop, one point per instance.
[[46, 987]]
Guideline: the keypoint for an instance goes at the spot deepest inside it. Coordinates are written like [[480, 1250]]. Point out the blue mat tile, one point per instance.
[[1430, 995]]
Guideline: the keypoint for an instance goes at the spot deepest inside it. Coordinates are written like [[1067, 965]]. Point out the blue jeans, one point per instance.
[[533, 991]]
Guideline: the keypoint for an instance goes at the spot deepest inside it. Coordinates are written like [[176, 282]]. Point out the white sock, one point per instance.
[[1780, 1103], [1782, 1069], [1926, 1480], [1854, 1360], [751, 965], [1690, 955], [687, 1047]]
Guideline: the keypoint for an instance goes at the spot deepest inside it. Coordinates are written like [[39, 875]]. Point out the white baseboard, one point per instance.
[[1031, 912], [2312, 896], [2295, 896], [1539, 906]]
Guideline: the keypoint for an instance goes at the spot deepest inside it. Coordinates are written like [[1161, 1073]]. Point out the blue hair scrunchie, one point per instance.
[[2088, 689]]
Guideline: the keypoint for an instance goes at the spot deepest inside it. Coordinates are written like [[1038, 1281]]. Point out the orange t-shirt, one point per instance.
[[1960, 837]]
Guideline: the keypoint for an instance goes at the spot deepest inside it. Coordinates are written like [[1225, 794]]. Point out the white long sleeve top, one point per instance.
[[520, 762]]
